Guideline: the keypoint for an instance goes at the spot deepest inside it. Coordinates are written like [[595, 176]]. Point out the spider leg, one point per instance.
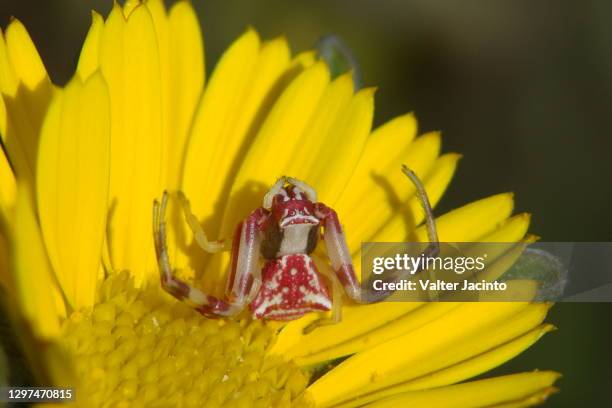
[[433, 249], [310, 192], [339, 254], [276, 188], [244, 278], [205, 304], [196, 228], [432, 233]]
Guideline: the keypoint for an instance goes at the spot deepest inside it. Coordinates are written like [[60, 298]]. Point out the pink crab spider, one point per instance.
[[284, 232]]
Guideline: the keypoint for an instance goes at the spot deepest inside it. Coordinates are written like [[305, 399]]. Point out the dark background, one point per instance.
[[522, 88]]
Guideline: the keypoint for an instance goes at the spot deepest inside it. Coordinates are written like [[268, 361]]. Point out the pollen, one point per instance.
[[140, 347]]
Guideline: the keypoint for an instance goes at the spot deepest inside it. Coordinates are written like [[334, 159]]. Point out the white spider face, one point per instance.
[[293, 226], [292, 207], [291, 202]]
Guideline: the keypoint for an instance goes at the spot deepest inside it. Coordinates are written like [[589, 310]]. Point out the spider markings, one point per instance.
[[291, 287]]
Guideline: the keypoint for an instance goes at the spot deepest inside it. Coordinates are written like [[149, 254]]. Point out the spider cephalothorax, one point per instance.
[[284, 232], [291, 226]]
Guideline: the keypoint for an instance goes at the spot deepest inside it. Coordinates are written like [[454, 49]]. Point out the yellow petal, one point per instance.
[[238, 86], [26, 91], [241, 90], [504, 260], [169, 131], [6, 276], [88, 60], [8, 85], [73, 179], [8, 78], [537, 398], [459, 372], [26, 62], [473, 220], [394, 320], [304, 59], [401, 227], [33, 276], [397, 133], [482, 362], [336, 161], [517, 290], [179, 42], [356, 320], [157, 9], [482, 393], [378, 170], [384, 207], [470, 329], [7, 187], [321, 128], [3, 118], [511, 230], [181, 64], [20, 137], [185, 80], [389, 329], [129, 61], [129, 6], [436, 183]]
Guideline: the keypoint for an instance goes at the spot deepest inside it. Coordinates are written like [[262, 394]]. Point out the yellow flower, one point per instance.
[[83, 164]]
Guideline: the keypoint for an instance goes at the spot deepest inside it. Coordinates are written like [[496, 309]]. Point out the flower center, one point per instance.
[[139, 346]]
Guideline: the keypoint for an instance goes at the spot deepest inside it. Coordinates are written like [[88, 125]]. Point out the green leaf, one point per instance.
[[543, 267], [339, 58]]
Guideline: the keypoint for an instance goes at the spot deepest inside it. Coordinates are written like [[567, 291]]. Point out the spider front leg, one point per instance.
[[196, 228], [339, 254], [205, 304], [244, 280], [433, 249]]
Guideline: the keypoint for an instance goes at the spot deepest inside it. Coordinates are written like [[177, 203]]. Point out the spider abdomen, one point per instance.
[[291, 287]]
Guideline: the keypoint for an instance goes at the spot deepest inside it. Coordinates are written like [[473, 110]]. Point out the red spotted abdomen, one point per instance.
[[291, 287]]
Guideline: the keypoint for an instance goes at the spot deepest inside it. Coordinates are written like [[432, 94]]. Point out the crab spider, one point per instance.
[[284, 232]]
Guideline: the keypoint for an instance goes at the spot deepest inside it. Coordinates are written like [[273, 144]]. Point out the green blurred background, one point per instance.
[[522, 88]]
